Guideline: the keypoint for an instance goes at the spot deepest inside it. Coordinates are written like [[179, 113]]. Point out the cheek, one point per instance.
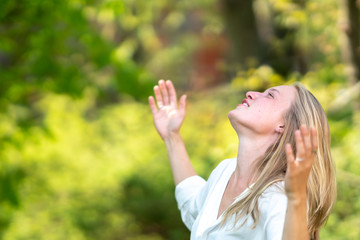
[[266, 117]]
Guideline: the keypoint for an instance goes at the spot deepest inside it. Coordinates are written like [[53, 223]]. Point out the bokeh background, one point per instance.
[[79, 156]]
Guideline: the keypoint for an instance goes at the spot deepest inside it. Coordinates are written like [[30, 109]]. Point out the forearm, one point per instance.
[[295, 227], [179, 160]]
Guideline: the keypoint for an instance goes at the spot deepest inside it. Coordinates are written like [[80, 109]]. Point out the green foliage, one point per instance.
[[57, 47], [104, 175], [80, 158]]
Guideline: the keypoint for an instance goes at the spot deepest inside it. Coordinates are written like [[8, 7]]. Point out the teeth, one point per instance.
[[245, 104]]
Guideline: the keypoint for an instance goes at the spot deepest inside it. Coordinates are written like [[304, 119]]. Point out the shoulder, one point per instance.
[[274, 199], [275, 188], [274, 192], [221, 172], [224, 166], [272, 205]]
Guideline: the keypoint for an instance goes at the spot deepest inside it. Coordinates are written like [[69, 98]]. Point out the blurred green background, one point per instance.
[[79, 156]]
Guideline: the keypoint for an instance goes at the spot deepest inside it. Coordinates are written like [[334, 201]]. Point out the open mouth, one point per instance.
[[245, 103]]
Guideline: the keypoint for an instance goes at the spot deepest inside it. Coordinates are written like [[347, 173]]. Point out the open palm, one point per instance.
[[168, 117], [298, 169]]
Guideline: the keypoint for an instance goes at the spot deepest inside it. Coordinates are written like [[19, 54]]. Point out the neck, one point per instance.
[[250, 150]]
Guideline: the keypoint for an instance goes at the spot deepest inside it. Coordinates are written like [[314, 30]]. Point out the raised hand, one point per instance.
[[298, 169], [168, 117]]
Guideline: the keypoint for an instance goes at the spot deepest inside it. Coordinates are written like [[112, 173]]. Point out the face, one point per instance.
[[263, 113]]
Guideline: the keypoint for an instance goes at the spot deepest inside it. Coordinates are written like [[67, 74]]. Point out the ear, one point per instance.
[[280, 128]]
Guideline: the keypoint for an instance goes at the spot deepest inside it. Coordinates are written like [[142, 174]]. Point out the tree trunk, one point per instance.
[[251, 29], [242, 29], [349, 40], [350, 45]]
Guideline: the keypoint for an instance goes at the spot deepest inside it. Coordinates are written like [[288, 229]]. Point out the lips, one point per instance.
[[245, 103]]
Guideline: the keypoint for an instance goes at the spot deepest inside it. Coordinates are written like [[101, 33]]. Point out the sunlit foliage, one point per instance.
[[79, 157]]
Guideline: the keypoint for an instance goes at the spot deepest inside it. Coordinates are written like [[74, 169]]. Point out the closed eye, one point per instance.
[[271, 92]]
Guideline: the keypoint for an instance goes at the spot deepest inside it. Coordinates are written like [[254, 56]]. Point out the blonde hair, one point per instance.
[[271, 168]]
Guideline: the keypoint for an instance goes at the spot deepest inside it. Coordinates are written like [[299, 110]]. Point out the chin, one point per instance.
[[233, 119], [233, 114], [238, 122]]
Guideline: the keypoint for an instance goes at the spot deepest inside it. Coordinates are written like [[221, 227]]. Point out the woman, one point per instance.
[[244, 197]]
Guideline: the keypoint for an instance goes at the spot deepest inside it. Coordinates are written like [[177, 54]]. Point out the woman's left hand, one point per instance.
[[298, 169]]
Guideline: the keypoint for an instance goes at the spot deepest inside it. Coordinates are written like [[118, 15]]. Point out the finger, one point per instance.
[[164, 92], [152, 105], [300, 151], [289, 153], [289, 156], [172, 93], [314, 139], [306, 140], [158, 96], [182, 104]]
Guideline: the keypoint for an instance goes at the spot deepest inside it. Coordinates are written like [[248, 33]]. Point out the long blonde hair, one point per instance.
[[271, 168]]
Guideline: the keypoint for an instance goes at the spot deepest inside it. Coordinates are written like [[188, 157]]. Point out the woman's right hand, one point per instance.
[[168, 117]]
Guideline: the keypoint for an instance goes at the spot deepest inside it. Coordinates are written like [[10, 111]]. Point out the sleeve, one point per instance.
[[275, 216], [190, 195]]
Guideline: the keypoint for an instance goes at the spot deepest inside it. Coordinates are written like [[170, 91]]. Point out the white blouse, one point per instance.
[[199, 202]]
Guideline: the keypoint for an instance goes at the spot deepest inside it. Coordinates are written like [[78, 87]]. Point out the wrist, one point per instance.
[[172, 137], [297, 199]]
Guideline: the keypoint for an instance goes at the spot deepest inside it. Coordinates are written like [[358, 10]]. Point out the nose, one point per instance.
[[252, 95]]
